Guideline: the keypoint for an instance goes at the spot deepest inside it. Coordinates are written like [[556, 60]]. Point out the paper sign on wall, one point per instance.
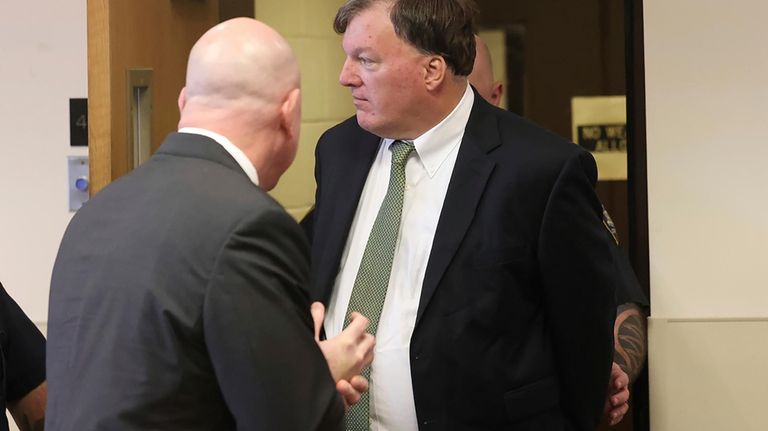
[[600, 126]]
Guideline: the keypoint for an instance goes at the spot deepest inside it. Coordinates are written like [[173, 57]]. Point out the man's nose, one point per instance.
[[348, 77]]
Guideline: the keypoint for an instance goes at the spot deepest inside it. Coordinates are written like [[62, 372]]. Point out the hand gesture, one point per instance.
[[347, 353]]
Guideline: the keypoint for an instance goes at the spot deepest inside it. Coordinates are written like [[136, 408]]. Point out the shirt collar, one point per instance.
[[231, 148], [434, 146]]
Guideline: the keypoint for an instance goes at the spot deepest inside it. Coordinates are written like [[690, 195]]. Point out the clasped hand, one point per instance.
[[616, 405]]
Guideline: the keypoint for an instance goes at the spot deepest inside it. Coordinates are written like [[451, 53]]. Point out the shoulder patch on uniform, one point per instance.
[[608, 223]]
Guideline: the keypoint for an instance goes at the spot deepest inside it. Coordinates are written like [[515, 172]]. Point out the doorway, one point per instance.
[[557, 51]]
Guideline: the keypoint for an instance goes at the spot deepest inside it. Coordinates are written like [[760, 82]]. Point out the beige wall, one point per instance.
[[308, 26], [707, 129]]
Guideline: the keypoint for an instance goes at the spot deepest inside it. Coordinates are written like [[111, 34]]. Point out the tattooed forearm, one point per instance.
[[629, 333]]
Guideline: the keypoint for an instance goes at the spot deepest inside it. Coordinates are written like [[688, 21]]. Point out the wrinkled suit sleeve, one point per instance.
[[258, 331]]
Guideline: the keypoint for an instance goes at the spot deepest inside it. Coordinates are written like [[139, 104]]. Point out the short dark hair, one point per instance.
[[437, 27]]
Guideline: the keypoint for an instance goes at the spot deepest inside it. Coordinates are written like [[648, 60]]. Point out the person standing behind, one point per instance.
[[22, 362], [482, 233], [629, 329], [178, 297]]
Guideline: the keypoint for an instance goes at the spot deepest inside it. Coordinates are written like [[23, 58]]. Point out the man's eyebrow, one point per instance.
[[359, 50]]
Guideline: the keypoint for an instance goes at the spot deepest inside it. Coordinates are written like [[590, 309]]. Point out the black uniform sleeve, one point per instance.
[[628, 289], [23, 349], [579, 280]]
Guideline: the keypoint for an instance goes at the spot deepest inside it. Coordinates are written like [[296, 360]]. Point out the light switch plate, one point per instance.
[[79, 182]]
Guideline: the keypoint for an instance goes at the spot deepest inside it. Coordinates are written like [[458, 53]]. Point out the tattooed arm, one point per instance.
[[29, 412], [629, 355], [629, 334]]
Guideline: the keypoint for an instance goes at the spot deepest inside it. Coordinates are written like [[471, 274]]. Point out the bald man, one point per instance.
[[178, 298], [629, 328], [482, 74]]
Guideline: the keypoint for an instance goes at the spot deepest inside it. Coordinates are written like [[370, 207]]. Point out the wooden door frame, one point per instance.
[[637, 165], [99, 88], [637, 181]]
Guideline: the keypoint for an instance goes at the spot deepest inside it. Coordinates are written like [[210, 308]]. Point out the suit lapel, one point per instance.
[[349, 174], [470, 175]]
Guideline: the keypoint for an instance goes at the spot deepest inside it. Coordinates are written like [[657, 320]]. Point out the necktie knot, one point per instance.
[[401, 150]]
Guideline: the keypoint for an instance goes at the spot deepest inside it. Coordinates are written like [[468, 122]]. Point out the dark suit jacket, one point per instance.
[[514, 325], [178, 302]]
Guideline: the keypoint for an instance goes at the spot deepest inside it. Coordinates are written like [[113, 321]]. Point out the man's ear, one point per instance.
[[497, 90], [435, 72], [290, 113], [182, 98]]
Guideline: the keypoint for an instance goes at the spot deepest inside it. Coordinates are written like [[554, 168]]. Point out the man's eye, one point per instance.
[[365, 61]]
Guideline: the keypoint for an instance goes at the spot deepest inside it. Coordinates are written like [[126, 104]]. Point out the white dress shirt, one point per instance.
[[231, 148], [427, 172]]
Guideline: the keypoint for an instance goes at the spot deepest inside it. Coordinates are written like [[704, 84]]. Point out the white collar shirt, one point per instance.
[[428, 172], [231, 148]]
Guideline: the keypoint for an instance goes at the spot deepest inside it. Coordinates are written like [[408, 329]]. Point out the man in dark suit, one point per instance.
[[499, 305], [630, 342], [178, 297]]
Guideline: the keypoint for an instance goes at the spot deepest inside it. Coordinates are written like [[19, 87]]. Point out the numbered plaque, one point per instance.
[[78, 122]]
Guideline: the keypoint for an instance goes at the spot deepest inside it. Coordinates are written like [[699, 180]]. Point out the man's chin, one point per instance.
[[364, 120]]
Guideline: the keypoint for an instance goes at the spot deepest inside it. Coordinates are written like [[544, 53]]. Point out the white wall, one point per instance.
[[707, 129], [707, 113], [42, 64]]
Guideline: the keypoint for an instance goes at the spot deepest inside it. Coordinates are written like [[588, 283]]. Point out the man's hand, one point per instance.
[[352, 390], [347, 354], [616, 405]]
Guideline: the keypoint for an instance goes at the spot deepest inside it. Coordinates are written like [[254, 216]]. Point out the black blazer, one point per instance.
[[179, 302], [514, 325]]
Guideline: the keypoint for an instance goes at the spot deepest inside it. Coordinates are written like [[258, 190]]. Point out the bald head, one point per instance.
[[243, 83], [240, 59], [482, 74]]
